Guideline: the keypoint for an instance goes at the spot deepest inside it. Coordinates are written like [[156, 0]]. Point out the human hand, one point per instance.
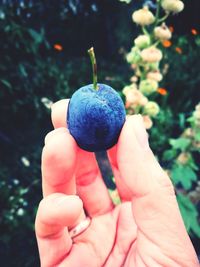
[[145, 230]]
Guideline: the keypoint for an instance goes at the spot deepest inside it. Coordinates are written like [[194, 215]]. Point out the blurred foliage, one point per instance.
[[184, 170], [34, 72], [183, 78], [177, 155]]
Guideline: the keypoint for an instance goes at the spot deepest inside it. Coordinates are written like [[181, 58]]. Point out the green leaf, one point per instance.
[[197, 136], [189, 214], [180, 143], [190, 119], [38, 37], [184, 175], [197, 41], [6, 83], [182, 120], [182, 41], [192, 164], [185, 202], [169, 154], [23, 70]]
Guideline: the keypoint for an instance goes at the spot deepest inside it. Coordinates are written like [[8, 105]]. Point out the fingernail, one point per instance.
[[140, 132]]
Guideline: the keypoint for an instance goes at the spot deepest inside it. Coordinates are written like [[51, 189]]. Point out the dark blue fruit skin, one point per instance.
[[95, 117]]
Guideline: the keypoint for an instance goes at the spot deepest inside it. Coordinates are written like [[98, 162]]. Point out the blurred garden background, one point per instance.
[[44, 59]]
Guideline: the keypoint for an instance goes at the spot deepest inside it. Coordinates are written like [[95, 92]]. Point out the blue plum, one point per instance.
[[95, 117]]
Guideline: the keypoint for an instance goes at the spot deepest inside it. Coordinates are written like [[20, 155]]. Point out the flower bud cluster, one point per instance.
[[142, 41], [194, 195], [196, 116], [134, 97], [151, 54], [152, 109], [162, 32], [174, 6], [155, 75], [193, 133], [186, 159], [143, 17], [183, 158], [148, 86], [145, 57]]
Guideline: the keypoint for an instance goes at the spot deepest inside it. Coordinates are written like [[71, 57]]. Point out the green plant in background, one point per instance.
[[183, 170], [38, 67], [145, 57], [34, 72], [141, 97], [24, 82], [180, 78], [28, 85]]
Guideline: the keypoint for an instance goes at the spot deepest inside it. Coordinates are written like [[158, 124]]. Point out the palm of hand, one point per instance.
[[145, 230], [107, 242]]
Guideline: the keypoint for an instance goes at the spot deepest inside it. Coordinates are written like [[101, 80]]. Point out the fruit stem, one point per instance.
[[94, 67]]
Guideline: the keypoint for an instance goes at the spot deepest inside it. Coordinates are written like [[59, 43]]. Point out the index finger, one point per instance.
[[89, 183]]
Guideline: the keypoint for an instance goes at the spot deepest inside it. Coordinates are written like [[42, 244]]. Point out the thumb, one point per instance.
[[56, 213], [154, 204]]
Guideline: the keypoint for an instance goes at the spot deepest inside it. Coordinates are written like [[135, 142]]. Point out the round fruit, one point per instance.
[[95, 117]]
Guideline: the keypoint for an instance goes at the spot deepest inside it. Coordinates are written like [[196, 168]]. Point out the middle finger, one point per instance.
[[58, 163]]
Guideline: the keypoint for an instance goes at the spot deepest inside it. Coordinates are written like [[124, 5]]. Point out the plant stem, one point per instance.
[[145, 31], [156, 43], [157, 11], [94, 67], [163, 18]]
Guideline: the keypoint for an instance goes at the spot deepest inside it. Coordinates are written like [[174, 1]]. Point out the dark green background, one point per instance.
[[30, 68]]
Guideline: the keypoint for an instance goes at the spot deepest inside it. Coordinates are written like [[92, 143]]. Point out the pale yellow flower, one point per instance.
[[143, 17], [151, 54], [151, 108], [148, 86], [162, 32], [174, 6], [147, 122], [142, 41], [155, 75]]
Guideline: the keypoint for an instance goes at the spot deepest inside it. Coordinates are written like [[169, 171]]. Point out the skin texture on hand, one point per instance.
[[146, 230]]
